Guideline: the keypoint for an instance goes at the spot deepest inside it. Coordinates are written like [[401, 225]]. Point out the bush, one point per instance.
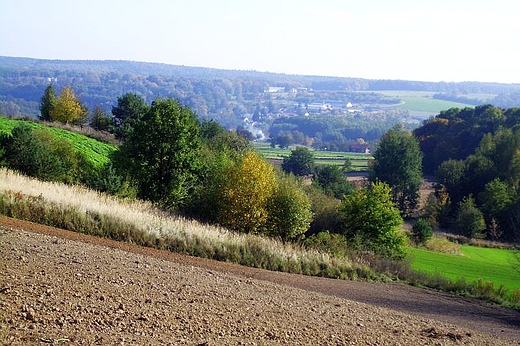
[[422, 231], [332, 243]]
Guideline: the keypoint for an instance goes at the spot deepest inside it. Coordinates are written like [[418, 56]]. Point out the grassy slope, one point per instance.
[[492, 265], [94, 150]]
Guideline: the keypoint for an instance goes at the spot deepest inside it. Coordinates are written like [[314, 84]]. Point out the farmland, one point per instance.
[[474, 263], [359, 161]]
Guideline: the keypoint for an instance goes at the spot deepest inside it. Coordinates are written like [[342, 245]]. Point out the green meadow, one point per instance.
[[422, 102], [359, 161], [93, 150], [474, 263]]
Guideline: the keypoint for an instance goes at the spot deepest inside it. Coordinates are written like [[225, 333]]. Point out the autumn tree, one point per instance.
[[68, 109], [246, 189], [162, 153], [47, 103], [397, 162]]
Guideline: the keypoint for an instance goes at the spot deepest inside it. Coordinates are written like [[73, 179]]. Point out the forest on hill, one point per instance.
[[338, 111]]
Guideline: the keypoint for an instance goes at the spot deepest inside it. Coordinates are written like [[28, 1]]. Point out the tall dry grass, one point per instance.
[[88, 211]]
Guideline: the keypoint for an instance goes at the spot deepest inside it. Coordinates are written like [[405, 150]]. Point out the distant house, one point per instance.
[[359, 148], [275, 89]]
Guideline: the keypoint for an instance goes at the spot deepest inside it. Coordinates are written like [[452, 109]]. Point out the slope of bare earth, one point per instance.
[[59, 287]]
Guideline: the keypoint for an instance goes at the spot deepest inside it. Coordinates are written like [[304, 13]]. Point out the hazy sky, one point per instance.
[[434, 40]]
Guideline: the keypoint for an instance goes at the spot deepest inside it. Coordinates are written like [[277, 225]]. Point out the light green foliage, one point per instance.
[[397, 162], [289, 209], [47, 103], [162, 153], [371, 217], [300, 162], [470, 220]]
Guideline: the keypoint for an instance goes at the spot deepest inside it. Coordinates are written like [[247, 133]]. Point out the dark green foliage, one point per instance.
[[300, 162], [422, 231], [130, 108], [326, 216], [456, 133], [470, 220], [162, 153], [47, 103], [397, 162], [40, 154], [373, 222], [99, 120], [332, 180]]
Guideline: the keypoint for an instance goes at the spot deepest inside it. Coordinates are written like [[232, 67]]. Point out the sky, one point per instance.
[[434, 40]]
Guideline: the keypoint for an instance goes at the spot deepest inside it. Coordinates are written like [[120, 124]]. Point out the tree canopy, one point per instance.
[[397, 162]]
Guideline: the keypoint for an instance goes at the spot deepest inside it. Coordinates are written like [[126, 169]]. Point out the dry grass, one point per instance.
[[172, 232]]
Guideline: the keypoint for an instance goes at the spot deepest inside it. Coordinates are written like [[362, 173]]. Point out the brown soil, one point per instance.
[[60, 287]]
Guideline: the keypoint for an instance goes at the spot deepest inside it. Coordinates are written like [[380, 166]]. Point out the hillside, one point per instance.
[[78, 289]]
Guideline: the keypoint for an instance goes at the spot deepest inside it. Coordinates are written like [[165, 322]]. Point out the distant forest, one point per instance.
[[236, 98]]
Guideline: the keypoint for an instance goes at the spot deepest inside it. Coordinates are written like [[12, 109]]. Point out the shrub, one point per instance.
[[332, 243], [422, 231]]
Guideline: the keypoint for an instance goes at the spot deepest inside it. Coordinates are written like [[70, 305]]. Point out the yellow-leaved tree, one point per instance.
[[245, 193], [68, 109]]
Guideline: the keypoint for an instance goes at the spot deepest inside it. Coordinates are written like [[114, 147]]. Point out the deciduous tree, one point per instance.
[[371, 217], [300, 162], [68, 109], [397, 162], [162, 153]]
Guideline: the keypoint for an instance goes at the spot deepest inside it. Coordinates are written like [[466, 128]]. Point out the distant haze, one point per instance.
[[444, 40]]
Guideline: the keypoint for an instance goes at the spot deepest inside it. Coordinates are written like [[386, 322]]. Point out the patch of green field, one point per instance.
[[93, 150], [359, 161], [422, 102], [494, 265]]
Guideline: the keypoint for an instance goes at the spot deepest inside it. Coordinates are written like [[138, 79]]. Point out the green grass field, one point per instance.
[[95, 151], [494, 265], [359, 161], [423, 103]]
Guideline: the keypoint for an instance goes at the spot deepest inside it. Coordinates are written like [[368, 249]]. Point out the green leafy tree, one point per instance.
[[289, 209], [68, 109], [130, 108], [397, 162], [470, 220], [47, 103], [371, 218], [422, 231], [300, 162], [162, 153], [332, 180]]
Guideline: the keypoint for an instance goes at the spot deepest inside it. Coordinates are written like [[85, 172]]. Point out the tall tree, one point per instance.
[[162, 153], [397, 162], [68, 109], [47, 103], [100, 120], [300, 162], [130, 107]]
